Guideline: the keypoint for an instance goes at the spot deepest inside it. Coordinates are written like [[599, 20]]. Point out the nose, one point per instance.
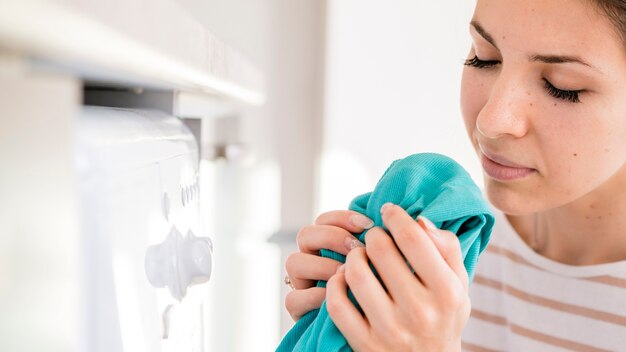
[[506, 110]]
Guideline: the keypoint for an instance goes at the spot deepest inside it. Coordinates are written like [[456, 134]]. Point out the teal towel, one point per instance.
[[427, 184]]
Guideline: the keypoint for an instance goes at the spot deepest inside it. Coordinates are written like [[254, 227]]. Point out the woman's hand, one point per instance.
[[422, 311], [332, 230]]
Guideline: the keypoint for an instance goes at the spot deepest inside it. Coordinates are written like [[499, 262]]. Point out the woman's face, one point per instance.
[[544, 92]]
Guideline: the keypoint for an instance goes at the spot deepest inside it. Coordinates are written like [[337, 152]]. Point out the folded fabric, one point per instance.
[[427, 184]]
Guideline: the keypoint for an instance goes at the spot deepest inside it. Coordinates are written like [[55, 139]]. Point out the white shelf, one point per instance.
[[152, 43]]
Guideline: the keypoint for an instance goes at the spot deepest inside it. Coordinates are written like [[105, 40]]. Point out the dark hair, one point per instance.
[[615, 10]]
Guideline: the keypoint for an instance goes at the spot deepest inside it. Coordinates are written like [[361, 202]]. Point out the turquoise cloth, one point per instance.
[[427, 184]]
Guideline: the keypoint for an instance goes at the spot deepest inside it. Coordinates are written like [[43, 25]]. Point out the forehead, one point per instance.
[[567, 27]]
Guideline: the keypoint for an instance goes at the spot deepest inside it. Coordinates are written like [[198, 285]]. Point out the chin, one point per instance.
[[509, 199]]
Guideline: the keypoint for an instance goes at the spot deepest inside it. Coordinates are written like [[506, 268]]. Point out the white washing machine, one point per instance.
[[143, 243]]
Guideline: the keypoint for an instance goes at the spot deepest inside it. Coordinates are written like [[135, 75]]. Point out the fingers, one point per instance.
[[449, 247], [349, 220], [300, 302], [366, 288], [305, 269], [343, 313], [312, 238], [401, 283], [416, 246]]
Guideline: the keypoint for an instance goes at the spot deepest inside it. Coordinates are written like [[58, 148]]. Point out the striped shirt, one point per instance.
[[522, 301]]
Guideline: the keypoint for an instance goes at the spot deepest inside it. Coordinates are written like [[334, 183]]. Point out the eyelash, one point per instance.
[[478, 63], [568, 95]]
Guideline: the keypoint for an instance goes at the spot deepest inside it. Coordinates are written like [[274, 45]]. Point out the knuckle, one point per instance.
[[376, 242], [465, 280], [405, 338], [452, 295], [292, 302], [467, 309], [355, 254], [333, 307], [393, 211], [321, 218], [303, 234], [331, 216], [331, 281], [407, 235], [291, 263], [455, 299], [455, 244], [428, 318], [451, 240], [458, 297], [355, 273], [399, 336]]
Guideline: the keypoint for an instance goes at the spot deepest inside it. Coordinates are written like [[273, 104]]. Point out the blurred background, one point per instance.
[[295, 107]]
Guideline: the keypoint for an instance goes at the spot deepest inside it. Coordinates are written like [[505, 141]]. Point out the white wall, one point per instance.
[[274, 195], [392, 89], [39, 235], [386, 84]]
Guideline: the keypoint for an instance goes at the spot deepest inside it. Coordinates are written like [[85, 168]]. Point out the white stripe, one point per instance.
[[554, 303], [486, 334], [524, 344], [562, 289], [549, 321]]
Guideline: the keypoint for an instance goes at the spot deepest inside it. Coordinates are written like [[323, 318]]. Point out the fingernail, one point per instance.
[[341, 268], [362, 221], [351, 243], [385, 207], [427, 225]]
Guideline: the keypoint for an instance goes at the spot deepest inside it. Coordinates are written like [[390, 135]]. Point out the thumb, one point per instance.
[[449, 247]]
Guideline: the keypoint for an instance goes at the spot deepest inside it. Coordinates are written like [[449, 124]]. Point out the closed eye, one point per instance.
[[569, 95], [572, 96], [478, 63]]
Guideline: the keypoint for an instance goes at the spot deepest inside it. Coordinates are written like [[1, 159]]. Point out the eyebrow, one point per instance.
[[558, 59], [484, 33], [548, 59]]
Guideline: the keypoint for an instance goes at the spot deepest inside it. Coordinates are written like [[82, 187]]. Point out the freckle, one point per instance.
[[531, 104], [554, 104], [504, 37], [599, 217], [592, 206], [587, 217], [606, 150], [575, 154]]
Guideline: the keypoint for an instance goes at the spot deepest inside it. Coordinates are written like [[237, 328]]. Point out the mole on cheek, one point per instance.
[[575, 154]]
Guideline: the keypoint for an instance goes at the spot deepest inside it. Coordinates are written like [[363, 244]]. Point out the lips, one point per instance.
[[501, 168], [502, 161]]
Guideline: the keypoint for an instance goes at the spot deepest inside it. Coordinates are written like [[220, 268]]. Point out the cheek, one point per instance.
[[580, 155]]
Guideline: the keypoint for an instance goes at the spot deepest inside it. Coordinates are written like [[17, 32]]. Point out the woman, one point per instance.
[[544, 104]]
